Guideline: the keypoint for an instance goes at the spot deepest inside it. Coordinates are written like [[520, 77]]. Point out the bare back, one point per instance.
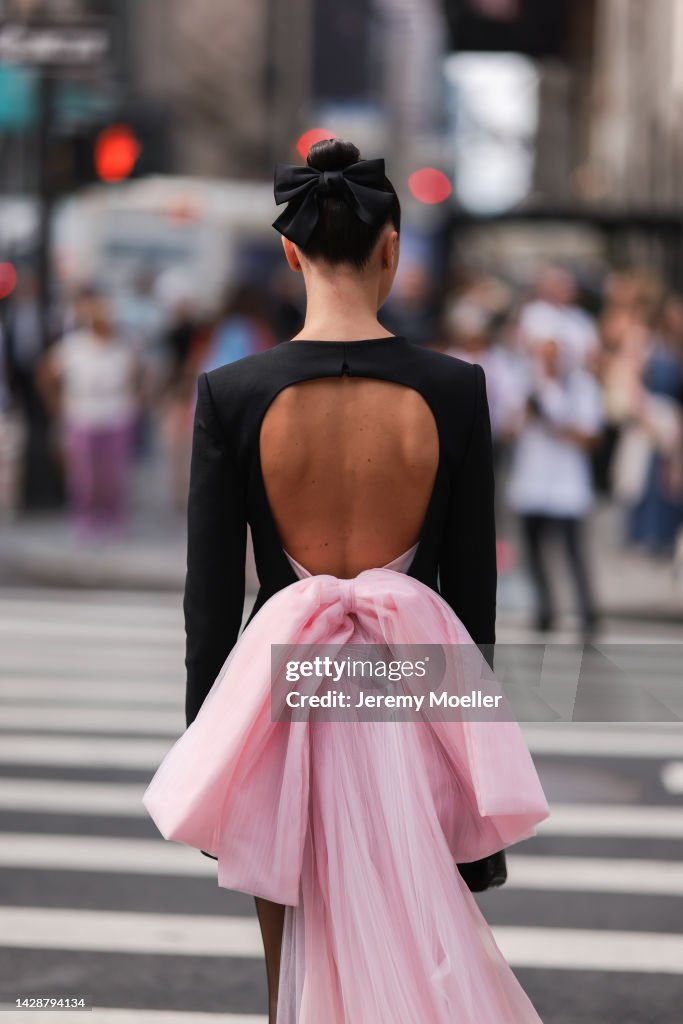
[[348, 465], [345, 454]]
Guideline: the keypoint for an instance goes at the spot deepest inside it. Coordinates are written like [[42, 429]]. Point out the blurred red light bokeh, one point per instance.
[[8, 279], [429, 185], [306, 140], [116, 152]]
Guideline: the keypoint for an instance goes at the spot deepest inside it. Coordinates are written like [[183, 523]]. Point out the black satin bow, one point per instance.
[[361, 185]]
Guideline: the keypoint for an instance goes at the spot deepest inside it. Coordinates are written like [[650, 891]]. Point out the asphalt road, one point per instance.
[[94, 903]]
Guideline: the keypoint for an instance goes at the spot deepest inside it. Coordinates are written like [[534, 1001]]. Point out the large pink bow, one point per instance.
[[237, 782]]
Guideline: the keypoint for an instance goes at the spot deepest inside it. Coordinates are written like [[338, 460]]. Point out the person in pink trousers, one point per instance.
[[91, 379]]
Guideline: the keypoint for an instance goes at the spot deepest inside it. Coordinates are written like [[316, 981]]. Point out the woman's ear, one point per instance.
[[390, 248], [291, 254]]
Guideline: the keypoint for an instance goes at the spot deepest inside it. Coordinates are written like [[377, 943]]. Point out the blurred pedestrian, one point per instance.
[[91, 380], [184, 336], [24, 340], [632, 299], [649, 461], [554, 314], [242, 329], [550, 484], [414, 308], [11, 438], [477, 335], [39, 477]]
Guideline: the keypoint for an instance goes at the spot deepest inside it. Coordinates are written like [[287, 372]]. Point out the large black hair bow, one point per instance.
[[360, 184]]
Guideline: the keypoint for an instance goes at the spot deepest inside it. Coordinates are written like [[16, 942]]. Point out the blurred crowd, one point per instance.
[[114, 385], [584, 405]]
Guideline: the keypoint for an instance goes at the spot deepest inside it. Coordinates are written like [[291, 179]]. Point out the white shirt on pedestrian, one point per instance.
[[97, 379], [551, 474]]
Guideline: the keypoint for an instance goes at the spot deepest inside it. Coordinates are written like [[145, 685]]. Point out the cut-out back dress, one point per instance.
[[356, 826]]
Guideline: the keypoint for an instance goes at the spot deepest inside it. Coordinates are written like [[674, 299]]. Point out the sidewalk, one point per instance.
[[40, 550], [628, 584]]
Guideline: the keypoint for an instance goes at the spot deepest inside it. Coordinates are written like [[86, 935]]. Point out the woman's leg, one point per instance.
[[271, 918], [534, 530], [572, 534], [116, 448], [80, 475]]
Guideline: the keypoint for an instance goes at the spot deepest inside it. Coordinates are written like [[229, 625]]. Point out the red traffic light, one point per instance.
[[117, 149], [8, 279]]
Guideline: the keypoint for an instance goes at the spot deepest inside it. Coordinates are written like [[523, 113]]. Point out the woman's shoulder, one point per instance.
[[447, 381], [245, 371], [448, 364], [244, 386], [254, 365], [241, 388]]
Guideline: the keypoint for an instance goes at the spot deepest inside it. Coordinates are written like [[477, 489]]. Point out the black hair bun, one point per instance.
[[332, 155]]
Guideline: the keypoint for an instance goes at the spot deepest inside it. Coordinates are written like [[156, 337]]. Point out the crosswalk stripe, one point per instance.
[[575, 740], [581, 949], [672, 777], [51, 796], [80, 719], [130, 932], [107, 1015], [65, 605], [125, 800], [596, 874], [36, 693], [28, 850], [124, 717], [103, 853], [73, 629], [146, 754], [82, 658], [613, 820], [86, 751], [201, 935]]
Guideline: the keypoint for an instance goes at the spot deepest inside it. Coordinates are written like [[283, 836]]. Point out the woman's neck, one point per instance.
[[341, 307]]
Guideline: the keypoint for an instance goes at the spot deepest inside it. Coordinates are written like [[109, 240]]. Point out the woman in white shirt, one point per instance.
[[90, 379], [550, 484]]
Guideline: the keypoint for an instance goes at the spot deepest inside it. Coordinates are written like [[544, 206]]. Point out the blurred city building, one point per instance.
[[562, 113], [633, 149], [137, 159]]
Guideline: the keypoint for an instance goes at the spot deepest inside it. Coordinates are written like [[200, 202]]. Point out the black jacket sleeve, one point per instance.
[[467, 560], [213, 601]]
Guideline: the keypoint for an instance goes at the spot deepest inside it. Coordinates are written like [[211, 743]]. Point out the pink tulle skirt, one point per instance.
[[357, 826]]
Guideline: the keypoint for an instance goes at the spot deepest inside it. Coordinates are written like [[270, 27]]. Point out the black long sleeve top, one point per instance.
[[456, 552]]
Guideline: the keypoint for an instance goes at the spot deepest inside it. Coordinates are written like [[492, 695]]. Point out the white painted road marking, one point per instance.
[[159, 857], [202, 935], [52, 796], [672, 777]]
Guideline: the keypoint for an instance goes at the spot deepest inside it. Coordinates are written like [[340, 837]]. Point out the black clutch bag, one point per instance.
[[487, 873]]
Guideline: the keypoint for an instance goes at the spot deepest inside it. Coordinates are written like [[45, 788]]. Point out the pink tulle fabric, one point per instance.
[[357, 826]]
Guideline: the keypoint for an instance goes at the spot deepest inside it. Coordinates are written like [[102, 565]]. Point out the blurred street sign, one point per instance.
[[78, 102], [69, 46], [18, 98]]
